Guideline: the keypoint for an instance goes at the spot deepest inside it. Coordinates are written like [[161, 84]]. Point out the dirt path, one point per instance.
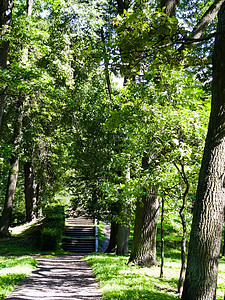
[[59, 278]]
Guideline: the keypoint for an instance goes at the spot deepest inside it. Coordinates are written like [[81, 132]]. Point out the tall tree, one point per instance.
[[6, 7], [145, 229], [205, 240], [14, 162], [13, 173]]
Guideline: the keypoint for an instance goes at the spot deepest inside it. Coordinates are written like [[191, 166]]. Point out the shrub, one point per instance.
[[50, 239], [54, 223]]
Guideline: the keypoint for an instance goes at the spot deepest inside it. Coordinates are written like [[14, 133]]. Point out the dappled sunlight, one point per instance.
[[60, 277]]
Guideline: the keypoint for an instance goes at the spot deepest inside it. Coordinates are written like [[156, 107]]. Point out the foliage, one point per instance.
[[54, 223], [50, 239]]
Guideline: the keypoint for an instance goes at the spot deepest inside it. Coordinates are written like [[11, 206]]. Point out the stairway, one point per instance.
[[80, 235]]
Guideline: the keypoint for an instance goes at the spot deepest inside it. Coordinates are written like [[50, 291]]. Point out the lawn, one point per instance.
[[12, 271], [119, 281]]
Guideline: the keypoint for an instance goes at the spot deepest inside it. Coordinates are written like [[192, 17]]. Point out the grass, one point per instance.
[[12, 271], [119, 281], [25, 240]]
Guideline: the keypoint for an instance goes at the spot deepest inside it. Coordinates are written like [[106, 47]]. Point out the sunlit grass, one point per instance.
[[12, 271], [119, 281]]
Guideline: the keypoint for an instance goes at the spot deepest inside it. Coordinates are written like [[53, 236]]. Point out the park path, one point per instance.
[[66, 277]]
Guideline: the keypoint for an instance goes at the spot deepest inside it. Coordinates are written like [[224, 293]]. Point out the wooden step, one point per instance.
[[79, 245], [80, 221], [79, 231]]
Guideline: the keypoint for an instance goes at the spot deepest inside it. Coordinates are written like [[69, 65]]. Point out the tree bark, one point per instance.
[[13, 174], [29, 190], [123, 239], [145, 229], [205, 240], [170, 6], [113, 238], [206, 19]]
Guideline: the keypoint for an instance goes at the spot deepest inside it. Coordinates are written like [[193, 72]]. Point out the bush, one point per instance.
[[51, 236], [54, 221], [50, 239], [54, 210]]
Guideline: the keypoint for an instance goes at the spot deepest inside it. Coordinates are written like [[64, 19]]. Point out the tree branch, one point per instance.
[[206, 19]]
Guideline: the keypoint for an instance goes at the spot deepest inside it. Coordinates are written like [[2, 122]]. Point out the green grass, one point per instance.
[[26, 240], [119, 281], [12, 271]]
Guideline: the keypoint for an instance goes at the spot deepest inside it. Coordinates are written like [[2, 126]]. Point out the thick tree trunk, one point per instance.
[[145, 229], [205, 240], [13, 174], [113, 238], [9, 198], [29, 189], [123, 239], [6, 7]]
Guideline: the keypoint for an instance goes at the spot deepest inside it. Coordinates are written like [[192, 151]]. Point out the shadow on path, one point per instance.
[[59, 278]]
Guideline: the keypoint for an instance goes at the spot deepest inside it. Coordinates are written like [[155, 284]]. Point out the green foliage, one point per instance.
[[50, 239], [54, 222]]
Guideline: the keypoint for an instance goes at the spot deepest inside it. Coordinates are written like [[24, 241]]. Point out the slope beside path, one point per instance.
[[66, 277]]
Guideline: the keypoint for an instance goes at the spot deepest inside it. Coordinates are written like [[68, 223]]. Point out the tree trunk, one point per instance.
[[205, 240], [38, 206], [13, 175], [145, 229], [184, 239], [6, 7], [113, 238], [123, 239], [170, 6], [106, 63], [29, 189], [162, 238]]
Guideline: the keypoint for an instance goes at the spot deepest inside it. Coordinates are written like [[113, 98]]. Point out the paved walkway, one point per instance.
[[66, 277]]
